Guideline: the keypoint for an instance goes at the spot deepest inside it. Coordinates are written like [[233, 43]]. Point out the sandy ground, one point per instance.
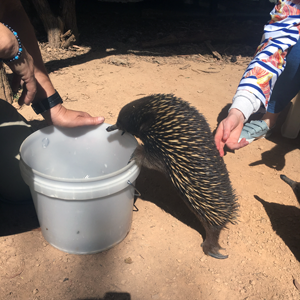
[[166, 260]]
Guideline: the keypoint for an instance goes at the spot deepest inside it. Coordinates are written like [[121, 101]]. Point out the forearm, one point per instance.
[[9, 45], [16, 17]]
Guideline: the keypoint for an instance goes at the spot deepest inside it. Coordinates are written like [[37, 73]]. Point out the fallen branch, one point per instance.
[[204, 71], [68, 42], [66, 34], [213, 51]]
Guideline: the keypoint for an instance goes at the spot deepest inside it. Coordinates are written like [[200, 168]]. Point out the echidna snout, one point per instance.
[[177, 140], [112, 128]]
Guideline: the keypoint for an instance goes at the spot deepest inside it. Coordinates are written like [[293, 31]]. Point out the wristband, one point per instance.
[[45, 104], [17, 56]]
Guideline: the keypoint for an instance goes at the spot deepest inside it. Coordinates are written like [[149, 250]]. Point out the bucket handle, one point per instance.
[[137, 194]]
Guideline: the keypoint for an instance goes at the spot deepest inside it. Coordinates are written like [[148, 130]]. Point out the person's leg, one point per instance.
[[285, 89], [270, 118], [288, 84]]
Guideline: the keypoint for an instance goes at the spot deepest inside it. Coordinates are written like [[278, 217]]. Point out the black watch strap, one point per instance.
[[45, 104]]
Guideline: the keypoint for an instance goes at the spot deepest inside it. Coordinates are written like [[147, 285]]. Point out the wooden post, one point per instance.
[[53, 25], [68, 14]]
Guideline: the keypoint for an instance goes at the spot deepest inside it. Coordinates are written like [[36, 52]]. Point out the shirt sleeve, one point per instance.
[[280, 34]]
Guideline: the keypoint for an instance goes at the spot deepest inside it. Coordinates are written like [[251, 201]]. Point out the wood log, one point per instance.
[[53, 25], [6, 93], [213, 51], [68, 15]]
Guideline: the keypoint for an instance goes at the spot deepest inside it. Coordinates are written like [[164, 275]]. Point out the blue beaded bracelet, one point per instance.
[[17, 56]]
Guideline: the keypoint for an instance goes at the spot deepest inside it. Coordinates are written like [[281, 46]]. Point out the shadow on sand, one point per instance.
[[285, 220], [111, 296], [156, 188]]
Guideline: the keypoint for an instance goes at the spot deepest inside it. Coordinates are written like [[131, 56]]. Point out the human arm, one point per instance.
[[14, 14], [257, 83], [23, 66]]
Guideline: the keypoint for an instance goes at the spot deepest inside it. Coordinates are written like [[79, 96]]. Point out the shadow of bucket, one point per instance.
[[80, 182]]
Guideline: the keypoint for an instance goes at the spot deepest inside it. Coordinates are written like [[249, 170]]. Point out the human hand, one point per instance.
[[229, 131], [60, 116], [23, 69]]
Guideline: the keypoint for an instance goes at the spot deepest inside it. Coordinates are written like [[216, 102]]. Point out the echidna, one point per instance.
[[293, 184], [177, 140]]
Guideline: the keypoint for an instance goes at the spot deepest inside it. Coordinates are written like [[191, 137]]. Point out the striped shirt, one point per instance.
[[281, 33]]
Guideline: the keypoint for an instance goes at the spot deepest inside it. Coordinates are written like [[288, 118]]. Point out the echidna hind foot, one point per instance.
[[213, 251], [211, 245]]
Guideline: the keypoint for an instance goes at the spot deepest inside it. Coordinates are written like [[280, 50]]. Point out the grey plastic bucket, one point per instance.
[[81, 184]]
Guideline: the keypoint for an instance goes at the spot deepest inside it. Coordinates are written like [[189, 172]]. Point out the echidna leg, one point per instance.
[[211, 245]]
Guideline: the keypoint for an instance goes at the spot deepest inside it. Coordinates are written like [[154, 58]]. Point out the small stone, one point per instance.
[[35, 291], [45, 244], [233, 59], [110, 49], [218, 280], [128, 260]]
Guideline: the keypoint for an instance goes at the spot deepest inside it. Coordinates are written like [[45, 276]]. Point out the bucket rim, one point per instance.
[[98, 178]]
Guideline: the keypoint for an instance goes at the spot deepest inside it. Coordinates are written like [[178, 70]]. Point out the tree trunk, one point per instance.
[[6, 93], [53, 25], [68, 14]]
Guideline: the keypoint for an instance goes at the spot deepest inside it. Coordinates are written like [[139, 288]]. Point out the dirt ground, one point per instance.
[[161, 257]]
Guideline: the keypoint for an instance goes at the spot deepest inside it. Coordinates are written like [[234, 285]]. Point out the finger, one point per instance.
[[226, 131], [221, 150], [26, 97], [219, 140], [236, 146], [85, 121], [31, 91], [219, 135]]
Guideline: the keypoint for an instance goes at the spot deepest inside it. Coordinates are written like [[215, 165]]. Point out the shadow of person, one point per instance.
[[111, 296], [17, 213], [275, 158], [17, 218], [285, 220], [156, 188]]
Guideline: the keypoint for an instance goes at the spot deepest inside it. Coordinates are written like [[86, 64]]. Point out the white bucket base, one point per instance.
[[81, 214], [83, 227]]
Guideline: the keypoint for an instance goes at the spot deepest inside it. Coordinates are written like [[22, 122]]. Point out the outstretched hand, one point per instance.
[[229, 131], [61, 116]]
